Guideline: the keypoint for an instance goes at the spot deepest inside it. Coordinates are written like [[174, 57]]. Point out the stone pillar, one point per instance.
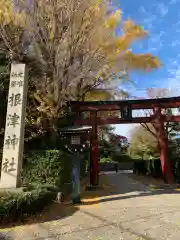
[[76, 185], [94, 171], [14, 130]]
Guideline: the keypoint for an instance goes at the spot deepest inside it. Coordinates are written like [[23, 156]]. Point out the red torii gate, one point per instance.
[[125, 107]]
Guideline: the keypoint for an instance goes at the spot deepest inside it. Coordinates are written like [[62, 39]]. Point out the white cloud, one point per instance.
[[147, 17], [142, 9], [148, 21], [162, 9], [174, 63], [175, 43], [174, 1], [155, 42], [177, 24], [156, 38], [173, 81], [155, 49]]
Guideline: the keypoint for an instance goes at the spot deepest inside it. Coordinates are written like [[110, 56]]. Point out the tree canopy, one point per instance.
[[143, 144], [71, 48], [171, 128]]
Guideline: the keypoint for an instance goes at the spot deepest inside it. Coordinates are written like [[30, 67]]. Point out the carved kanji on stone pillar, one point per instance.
[[94, 172], [163, 145]]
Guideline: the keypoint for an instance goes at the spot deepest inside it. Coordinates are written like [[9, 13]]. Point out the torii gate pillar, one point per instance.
[[94, 158], [163, 145]]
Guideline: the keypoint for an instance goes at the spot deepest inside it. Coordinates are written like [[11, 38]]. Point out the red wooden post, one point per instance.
[[94, 172], [163, 144]]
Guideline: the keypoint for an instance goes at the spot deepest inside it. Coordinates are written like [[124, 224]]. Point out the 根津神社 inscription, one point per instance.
[[14, 131], [8, 166]]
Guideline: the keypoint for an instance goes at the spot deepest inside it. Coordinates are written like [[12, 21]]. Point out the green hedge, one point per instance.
[[152, 167], [42, 171], [50, 167], [121, 157], [176, 168], [106, 160], [139, 167], [15, 206]]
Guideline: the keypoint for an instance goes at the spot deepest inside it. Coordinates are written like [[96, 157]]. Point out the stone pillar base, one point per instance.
[[94, 188], [77, 200]]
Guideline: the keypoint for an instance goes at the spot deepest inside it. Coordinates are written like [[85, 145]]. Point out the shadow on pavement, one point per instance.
[[109, 199], [119, 186], [4, 237], [54, 212]]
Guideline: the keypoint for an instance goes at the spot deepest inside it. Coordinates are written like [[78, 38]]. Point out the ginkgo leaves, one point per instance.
[[113, 20], [74, 47]]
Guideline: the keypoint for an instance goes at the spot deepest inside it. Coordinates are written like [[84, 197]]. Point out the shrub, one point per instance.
[[151, 167], [47, 167], [139, 167], [15, 206], [106, 160], [121, 157], [156, 168], [50, 167], [44, 174], [176, 168]]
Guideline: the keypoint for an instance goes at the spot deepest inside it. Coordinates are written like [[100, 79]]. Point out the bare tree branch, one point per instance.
[[145, 125]]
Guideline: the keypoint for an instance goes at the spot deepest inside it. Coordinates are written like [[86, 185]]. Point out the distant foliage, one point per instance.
[[106, 160], [143, 144], [149, 167], [174, 154]]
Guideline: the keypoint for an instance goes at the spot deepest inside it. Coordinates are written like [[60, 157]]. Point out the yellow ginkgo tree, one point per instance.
[[71, 48]]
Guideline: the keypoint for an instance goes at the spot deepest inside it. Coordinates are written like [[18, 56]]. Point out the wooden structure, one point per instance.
[[125, 109]]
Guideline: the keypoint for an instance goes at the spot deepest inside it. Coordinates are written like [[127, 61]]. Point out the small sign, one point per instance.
[[126, 112]]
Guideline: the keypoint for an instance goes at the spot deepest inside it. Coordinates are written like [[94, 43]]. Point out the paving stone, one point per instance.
[[127, 210]]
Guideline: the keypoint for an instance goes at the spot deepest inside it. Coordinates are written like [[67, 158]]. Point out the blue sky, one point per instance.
[[161, 18]]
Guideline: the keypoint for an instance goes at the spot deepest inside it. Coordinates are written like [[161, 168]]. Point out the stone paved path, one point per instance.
[[123, 210]]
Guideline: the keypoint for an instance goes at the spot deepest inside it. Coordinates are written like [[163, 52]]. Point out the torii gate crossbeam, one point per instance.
[[126, 107]]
